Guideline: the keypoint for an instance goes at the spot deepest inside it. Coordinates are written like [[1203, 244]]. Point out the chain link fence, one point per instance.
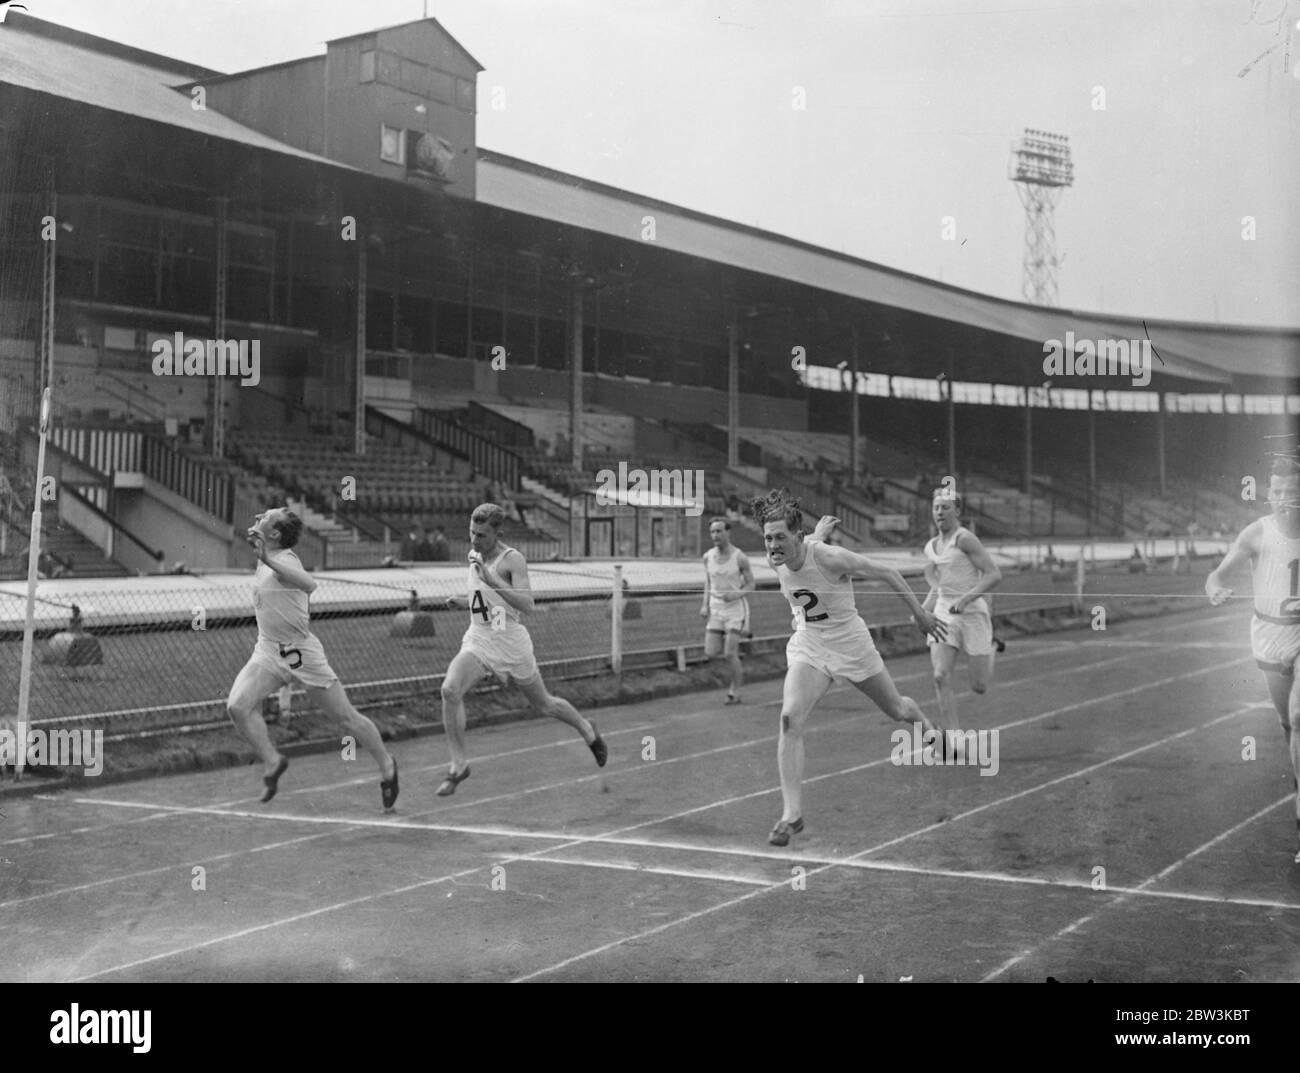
[[157, 655]]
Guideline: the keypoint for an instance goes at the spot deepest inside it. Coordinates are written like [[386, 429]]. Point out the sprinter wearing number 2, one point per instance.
[[287, 651], [830, 640], [497, 643], [1271, 546]]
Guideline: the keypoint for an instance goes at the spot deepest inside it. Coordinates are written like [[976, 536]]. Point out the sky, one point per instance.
[[861, 125]]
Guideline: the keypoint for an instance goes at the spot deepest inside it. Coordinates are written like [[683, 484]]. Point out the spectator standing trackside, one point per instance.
[[424, 550], [409, 545], [733, 507], [441, 550]]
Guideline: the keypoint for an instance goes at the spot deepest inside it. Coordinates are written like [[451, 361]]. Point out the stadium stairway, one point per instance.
[[73, 552]]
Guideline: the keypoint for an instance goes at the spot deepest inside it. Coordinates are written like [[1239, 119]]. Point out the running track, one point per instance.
[[1119, 750]]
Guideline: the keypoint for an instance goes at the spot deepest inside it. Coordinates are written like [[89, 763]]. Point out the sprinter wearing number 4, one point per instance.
[[1271, 545], [497, 643], [287, 651]]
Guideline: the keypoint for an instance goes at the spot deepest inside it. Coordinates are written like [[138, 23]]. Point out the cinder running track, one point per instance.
[[1123, 838]]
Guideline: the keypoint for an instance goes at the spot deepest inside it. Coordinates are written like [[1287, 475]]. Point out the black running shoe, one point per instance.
[[781, 833], [388, 787], [271, 782], [598, 747], [450, 783], [999, 644]]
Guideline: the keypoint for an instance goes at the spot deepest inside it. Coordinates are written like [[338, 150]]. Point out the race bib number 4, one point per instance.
[[494, 615]]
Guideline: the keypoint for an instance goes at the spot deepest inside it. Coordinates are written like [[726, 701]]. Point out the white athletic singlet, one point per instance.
[[827, 605], [956, 574], [281, 611], [723, 577], [483, 598], [1276, 576]]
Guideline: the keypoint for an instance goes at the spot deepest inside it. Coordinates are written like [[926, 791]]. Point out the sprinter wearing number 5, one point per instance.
[[1271, 545], [497, 643], [287, 651]]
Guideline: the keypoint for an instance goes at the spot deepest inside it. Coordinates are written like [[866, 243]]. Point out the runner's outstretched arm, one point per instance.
[[1244, 551]]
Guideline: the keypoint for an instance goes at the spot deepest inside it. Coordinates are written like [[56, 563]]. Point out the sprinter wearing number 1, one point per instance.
[[287, 651], [497, 643], [1271, 546]]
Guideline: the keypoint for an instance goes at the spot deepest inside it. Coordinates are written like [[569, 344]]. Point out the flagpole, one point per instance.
[[29, 625]]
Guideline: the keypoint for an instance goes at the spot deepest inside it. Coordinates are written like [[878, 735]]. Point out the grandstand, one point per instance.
[[487, 281]]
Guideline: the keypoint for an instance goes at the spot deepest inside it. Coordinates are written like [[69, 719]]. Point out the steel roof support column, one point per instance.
[[854, 446], [733, 391], [575, 368], [359, 359], [219, 332], [952, 416]]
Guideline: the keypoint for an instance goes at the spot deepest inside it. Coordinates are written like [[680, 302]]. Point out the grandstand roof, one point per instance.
[[1208, 352], [40, 56]]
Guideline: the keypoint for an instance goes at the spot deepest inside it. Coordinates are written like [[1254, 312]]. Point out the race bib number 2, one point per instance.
[[801, 614]]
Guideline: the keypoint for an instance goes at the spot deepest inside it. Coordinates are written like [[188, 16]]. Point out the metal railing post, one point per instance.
[[616, 624]]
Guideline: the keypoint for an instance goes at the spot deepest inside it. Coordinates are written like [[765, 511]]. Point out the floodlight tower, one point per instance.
[[1041, 168]]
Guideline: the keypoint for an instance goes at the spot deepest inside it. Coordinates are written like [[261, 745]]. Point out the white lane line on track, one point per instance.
[[169, 810], [296, 918], [1235, 647], [93, 884], [632, 866], [982, 876], [891, 842], [1012, 962]]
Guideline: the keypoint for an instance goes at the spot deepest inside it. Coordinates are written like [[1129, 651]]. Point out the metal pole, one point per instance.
[[359, 397], [219, 332], [952, 416], [575, 370], [1160, 438], [1029, 444], [45, 372], [733, 393], [29, 623], [1092, 464], [853, 411], [616, 623]]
